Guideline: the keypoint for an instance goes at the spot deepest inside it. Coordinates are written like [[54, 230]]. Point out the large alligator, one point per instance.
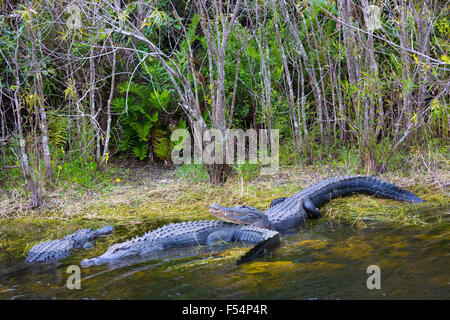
[[248, 224], [289, 214], [58, 249], [188, 234]]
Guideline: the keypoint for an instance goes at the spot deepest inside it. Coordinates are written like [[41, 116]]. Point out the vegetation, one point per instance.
[[86, 86]]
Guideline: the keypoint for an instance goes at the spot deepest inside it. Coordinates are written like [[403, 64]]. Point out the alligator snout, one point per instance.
[[90, 262], [106, 230]]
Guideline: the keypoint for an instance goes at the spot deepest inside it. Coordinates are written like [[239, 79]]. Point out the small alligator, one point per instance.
[[289, 214], [53, 250], [188, 234]]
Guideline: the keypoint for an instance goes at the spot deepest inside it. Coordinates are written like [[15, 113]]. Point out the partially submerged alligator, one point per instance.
[[188, 234], [289, 214], [248, 224], [53, 250]]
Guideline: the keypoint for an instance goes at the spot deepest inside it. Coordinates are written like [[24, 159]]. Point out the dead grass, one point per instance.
[[149, 193], [155, 193]]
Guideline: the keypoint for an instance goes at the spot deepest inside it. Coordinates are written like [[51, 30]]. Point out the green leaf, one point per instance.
[[154, 117], [140, 151], [142, 130], [161, 144]]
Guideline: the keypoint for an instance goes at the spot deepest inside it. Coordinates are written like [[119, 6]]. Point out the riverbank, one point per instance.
[[144, 198], [142, 191]]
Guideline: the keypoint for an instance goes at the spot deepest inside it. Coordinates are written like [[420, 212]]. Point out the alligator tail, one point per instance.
[[363, 184], [261, 249], [384, 189]]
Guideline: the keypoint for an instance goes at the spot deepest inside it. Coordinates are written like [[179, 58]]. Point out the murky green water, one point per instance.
[[324, 261]]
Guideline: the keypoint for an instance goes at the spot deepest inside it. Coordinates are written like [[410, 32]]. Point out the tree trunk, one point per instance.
[[3, 139], [217, 31], [23, 157], [309, 64], [105, 154], [287, 73], [92, 91], [39, 93]]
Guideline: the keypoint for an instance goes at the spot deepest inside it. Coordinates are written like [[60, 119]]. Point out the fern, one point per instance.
[[57, 130], [138, 108], [161, 144], [159, 100], [140, 151]]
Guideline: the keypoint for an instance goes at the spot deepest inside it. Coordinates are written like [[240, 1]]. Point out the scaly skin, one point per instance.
[[287, 214], [53, 250], [188, 234]]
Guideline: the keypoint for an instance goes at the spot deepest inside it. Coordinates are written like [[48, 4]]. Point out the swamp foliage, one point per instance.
[[85, 85]]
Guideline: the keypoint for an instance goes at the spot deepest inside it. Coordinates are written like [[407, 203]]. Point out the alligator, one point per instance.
[[188, 234], [248, 224], [53, 250], [288, 214]]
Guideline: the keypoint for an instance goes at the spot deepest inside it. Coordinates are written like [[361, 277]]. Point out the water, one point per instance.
[[326, 260]]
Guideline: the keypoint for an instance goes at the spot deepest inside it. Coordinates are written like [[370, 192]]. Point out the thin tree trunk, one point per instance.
[[13, 65], [290, 91], [423, 45], [217, 34], [2, 111], [233, 97], [304, 120], [323, 112], [39, 93], [349, 42], [105, 154], [23, 158], [372, 124], [406, 75], [342, 114], [94, 113], [309, 66]]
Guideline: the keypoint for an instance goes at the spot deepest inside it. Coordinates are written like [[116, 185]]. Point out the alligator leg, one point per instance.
[[261, 249], [264, 244], [311, 208], [221, 237], [277, 201]]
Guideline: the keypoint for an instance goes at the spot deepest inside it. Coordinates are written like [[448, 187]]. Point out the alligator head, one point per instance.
[[53, 250], [114, 253], [240, 215]]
